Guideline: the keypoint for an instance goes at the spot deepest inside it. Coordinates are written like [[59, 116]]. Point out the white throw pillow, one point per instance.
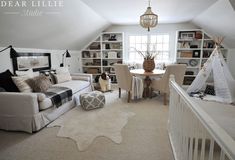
[[29, 73], [21, 84], [62, 78], [62, 70], [62, 75]]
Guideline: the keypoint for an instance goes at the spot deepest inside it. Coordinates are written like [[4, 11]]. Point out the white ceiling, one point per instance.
[[70, 29], [222, 25], [128, 11]]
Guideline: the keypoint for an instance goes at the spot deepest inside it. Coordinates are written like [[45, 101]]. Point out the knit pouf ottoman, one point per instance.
[[92, 100]]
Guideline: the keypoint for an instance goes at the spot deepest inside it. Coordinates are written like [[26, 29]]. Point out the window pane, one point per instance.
[[144, 39], [132, 55], [132, 49], [138, 47], [166, 39], [157, 44], [132, 39], [159, 47], [144, 47], [132, 45], [159, 39], [138, 39], [153, 39], [165, 47]]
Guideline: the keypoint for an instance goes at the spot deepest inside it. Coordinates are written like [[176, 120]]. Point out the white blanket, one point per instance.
[[137, 88]]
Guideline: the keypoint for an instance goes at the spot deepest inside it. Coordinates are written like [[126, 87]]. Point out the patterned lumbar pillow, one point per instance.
[[40, 83], [21, 84]]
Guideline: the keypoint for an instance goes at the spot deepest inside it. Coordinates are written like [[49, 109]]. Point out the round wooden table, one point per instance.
[[147, 80]]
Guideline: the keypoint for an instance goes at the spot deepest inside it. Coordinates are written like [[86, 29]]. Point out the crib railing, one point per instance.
[[194, 135]]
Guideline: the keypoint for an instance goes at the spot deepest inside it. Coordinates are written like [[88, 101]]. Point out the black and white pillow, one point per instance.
[[7, 83]]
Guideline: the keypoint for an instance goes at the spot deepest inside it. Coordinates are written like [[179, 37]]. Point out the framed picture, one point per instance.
[[35, 61], [187, 35], [196, 53], [116, 46], [193, 62]]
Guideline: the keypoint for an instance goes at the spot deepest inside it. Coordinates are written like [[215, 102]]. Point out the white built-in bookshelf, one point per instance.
[[193, 48], [100, 55]]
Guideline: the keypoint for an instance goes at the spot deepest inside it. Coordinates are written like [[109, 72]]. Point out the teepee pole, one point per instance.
[[218, 41]]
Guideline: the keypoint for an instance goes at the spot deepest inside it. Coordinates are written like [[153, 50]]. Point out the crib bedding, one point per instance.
[[223, 114]]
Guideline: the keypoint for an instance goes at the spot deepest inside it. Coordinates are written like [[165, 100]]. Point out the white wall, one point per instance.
[[56, 58], [161, 28]]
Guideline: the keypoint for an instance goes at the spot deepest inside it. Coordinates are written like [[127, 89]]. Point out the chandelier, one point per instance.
[[148, 19]]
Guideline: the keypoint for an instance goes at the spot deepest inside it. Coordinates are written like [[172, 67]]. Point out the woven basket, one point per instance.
[[149, 65]]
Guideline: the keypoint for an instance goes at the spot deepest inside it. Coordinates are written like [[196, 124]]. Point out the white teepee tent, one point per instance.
[[224, 84]]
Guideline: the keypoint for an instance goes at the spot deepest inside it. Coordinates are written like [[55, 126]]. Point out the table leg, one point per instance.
[[147, 89]]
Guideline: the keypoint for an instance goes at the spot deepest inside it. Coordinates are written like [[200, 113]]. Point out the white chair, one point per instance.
[[162, 84], [124, 79]]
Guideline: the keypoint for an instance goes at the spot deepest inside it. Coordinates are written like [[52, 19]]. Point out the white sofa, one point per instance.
[[30, 112]]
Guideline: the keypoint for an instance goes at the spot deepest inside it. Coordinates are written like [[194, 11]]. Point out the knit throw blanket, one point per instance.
[[59, 95], [137, 88]]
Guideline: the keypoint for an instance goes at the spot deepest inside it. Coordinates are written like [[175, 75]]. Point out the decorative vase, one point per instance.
[[149, 65]]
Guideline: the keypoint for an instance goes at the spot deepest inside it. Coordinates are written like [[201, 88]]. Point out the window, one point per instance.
[[158, 43]]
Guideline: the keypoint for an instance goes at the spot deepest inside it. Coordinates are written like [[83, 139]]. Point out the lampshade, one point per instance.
[[148, 19], [67, 54], [13, 52]]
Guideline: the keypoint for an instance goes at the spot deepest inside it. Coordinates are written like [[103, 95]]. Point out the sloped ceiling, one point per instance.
[[69, 27], [169, 11], [232, 3], [79, 21], [219, 20]]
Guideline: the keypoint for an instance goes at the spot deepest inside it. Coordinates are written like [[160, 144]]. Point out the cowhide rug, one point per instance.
[[84, 126]]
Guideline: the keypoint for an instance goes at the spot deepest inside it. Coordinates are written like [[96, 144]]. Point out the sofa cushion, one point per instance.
[[45, 104], [75, 85], [41, 97], [7, 83]]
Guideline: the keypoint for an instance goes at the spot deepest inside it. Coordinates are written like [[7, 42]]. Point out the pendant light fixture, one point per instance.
[[148, 19]]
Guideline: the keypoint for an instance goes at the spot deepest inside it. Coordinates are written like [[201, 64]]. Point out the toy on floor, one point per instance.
[[105, 82]]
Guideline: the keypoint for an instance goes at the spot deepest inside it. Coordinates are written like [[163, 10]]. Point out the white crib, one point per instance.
[[194, 134]]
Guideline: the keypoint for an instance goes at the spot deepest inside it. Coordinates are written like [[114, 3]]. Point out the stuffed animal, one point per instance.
[[105, 82]]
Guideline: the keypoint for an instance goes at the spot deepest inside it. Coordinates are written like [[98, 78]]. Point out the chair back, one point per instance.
[[178, 70], [123, 75]]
